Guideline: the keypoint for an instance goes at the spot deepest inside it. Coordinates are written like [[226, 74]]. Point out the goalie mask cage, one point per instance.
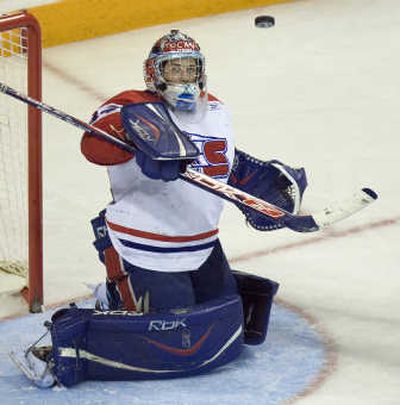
[[21, 156]]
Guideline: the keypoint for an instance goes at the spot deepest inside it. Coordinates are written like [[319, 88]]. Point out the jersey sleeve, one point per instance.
[[107, 118]]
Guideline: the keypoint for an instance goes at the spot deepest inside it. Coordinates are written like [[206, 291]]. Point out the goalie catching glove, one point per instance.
[[271, 181]]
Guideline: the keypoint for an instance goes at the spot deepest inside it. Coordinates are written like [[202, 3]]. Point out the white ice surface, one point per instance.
[[321, 89]]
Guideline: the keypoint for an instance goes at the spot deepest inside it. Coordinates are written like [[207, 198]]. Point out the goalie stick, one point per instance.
[[297, 223]]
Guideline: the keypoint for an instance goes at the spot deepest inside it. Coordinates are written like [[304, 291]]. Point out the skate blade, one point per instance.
[[42, 378]]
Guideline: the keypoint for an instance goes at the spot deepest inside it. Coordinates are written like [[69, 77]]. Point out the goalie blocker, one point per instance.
[[89, 344]]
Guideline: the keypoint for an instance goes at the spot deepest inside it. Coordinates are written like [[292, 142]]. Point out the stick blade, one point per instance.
[[337, 212]]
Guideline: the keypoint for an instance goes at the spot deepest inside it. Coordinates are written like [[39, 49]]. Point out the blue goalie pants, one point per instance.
[[134, 288]]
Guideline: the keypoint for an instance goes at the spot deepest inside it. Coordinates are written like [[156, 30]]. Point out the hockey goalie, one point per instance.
[[171, 306]]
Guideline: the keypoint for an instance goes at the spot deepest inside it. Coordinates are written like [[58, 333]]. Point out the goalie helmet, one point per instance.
[[185, 94]]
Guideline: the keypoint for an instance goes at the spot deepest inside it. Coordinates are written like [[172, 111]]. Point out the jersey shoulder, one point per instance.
[[110, 109], [133, 96], [212, 98], [107, 118], [216, 105]]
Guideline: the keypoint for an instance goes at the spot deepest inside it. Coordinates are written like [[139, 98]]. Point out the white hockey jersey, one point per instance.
[[166, 226]]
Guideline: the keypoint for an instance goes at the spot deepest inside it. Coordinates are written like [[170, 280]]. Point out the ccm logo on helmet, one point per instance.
[[180, 46]]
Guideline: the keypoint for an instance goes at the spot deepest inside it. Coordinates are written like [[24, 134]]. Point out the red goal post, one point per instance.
[[21, 151]]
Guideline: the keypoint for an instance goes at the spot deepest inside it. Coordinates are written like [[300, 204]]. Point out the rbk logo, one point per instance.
[[162, 325]]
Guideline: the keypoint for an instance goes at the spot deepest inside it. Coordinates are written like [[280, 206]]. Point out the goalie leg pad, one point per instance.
[[257, 295], [123, 345]]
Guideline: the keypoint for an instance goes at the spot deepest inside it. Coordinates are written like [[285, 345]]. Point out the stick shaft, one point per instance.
[[298, 223], [65, 117], [223, 190]]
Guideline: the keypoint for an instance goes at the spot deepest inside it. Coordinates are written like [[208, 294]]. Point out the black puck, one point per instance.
[[264, 21]]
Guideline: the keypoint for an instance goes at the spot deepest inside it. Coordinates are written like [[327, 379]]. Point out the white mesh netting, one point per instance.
[[13, 155]]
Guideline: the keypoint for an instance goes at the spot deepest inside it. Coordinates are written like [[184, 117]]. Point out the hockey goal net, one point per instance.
[[20, 156]]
